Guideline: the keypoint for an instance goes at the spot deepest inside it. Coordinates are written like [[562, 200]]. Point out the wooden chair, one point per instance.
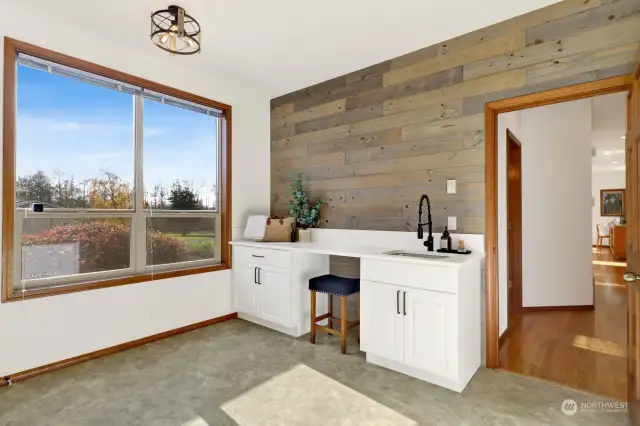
[[601, 237], [333, 285]]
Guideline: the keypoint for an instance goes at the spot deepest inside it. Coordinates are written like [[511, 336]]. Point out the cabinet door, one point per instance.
[[381, 320], [430, 331], [246, 289], [275, 295]]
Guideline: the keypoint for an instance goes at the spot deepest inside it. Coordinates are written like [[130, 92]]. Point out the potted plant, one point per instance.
[[307, 216]]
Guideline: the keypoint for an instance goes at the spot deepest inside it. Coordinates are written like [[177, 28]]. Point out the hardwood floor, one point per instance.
[[579, 349]]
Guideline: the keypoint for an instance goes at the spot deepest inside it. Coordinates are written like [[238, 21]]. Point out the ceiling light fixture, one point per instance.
[[623, 137], [173, 31], [614, 162]]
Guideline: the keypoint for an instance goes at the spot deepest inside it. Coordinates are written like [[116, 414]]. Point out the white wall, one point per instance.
[[40, 331], [556, 205], [511, 121], [604, 179]]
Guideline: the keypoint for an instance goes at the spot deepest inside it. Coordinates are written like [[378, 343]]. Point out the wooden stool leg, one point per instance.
[[313, 317], [330, 310], [343, 323]]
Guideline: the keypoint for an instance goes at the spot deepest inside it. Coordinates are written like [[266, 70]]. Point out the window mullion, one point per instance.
[[138, 234]]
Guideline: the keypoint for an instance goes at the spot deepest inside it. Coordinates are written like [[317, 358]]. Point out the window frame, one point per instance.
[[10, 292]]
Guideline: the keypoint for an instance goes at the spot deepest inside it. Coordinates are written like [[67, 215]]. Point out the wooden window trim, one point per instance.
[[11, 50]]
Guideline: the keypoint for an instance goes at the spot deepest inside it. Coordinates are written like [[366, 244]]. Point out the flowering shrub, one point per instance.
[[104, 245]]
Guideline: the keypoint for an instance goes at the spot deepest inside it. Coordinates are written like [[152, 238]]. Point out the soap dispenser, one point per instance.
[[445, 240]]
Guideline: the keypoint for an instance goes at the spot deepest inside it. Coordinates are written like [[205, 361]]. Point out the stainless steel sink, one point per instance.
[[418, 255]]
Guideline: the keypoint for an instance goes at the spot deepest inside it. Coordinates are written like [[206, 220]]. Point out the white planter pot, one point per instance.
[[304, 235]]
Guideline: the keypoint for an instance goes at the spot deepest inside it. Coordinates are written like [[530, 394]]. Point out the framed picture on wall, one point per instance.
[[612, 202]]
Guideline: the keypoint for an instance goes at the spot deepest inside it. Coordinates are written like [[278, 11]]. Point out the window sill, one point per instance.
[[94, 285]]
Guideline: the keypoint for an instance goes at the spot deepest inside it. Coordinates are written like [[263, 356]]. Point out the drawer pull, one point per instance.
[[255, 255], [398, 302], [404, 303]]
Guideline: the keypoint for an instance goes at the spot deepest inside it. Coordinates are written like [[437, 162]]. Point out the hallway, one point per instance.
[[580, 349]]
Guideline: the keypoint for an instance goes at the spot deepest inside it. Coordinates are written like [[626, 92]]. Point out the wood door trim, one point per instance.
[[491, 111], [27, 374], [529, 309]]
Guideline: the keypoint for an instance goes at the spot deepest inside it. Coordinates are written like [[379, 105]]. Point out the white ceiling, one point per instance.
[[279, 46], [608, 124]]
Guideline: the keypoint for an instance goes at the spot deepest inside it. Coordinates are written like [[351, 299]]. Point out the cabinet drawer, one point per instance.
[[426, 277], [261, 256]]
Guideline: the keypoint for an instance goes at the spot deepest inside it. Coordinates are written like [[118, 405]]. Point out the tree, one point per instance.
[[110, 192], [183, 197], [35, 187]]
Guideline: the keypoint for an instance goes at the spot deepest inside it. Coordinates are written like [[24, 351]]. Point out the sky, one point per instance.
[[79, 129]]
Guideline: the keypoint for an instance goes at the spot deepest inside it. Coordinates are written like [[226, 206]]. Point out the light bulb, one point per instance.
[[164, 38], [189, 41]]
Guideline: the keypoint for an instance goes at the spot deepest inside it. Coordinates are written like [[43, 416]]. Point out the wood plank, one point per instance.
[[280, 111], [450, 206], [352, 89], [428, 82], [486, 49], [344, 266], [374, 195], [283, 174], [577, 23], [583, 62], [355, 209], [439, 176], [406, 149], [344, 117], [444, 127], [311, 91], [475, 105], [332, 197], [331, 159], [493, 83], [282, 131], [438, 193], [356, 141], [317, 111], [365, 73], [384, 180], [379, 223], [415, 56], [337, 132], [622, 32], [464, 157], [428, 114], [287, 150], [518, 24]]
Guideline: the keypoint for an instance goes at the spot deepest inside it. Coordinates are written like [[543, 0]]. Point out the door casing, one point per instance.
[[492, 109]]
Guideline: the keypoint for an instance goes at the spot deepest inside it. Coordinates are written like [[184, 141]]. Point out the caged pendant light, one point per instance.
[[176, 32]]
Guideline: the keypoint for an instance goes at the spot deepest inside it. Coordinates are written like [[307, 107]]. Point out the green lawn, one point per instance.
[[191, 237]]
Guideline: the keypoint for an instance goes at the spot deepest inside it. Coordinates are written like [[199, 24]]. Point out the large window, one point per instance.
[[131, 176]]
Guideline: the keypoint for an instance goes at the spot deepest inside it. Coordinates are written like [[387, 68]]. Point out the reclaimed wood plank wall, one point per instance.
[[373, 140]]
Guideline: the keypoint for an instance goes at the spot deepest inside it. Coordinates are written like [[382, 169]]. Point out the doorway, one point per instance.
[[493, 217]]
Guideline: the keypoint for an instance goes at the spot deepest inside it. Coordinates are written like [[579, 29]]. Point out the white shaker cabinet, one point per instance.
[[381, 320], [421, 321], [271, 287]]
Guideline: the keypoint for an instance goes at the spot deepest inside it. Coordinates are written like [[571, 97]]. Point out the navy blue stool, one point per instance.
[[333, 285]]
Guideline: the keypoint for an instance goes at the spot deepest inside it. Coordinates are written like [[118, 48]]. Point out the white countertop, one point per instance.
[[365, 252]]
